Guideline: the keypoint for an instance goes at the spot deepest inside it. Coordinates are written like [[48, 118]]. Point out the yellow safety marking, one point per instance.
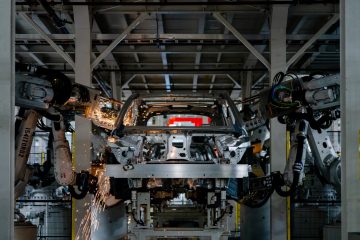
[[288, 203], [237, 220], [73, 201], [359, 154], [42, 158]]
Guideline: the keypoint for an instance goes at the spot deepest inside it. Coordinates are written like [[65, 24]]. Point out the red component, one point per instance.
[[197, 121]]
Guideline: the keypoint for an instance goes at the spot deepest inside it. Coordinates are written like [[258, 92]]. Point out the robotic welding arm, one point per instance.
[[38, 90], [310, 104]]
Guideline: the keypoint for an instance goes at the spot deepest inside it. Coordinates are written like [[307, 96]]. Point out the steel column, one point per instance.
[[350, 115], [82, 162], [83, 49], [114, 92], [7, 91], [83, 126], [278, 222]]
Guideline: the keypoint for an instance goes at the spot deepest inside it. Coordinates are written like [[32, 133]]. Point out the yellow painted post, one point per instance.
[[237, 220], [42, 158], [288, 203], [73, 210], [359, 154]]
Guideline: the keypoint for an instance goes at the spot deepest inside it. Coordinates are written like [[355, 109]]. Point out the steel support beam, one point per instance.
[[350, 115], [278, 210], [83, 49], [228, 7], [250, 216], [83, 148], [126, 93], [83, 137], [173, 36], [235, 94], [230, 18], [43, 34], [163, 54], [114, 91], [320, 32], [242, 39], [246, 85], [133, 25], [7, 105], [142, 76], [251, 62], [33, 56], [260, 79], [136, 55], [201, 29], [176, 50]]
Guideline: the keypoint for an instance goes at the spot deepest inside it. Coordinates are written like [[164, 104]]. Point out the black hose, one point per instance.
[[220, 217], [254, 204], [59, 23], [76, 195], [82, 183], [278, 181], [140, 222], [52, 117]]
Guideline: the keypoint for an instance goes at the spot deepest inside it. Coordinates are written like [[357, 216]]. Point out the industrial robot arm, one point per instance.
[[37, 91], [310, 104]]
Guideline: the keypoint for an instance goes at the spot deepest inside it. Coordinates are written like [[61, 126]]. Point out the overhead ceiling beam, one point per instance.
[[181, 3], [109, 59], [300, 9], [210, 71], [183, 84], [299, 25], [173, 51], [40, 23], [43, 34], [243, 40], [33, 56], [295, 31], [136, 22], [230, 18], [142, 76], [251, 63], [314, 55], [136, 56], [173, 36], [320, 32]]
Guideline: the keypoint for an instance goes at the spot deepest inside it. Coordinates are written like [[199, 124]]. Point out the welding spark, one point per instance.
[[90, 221]]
